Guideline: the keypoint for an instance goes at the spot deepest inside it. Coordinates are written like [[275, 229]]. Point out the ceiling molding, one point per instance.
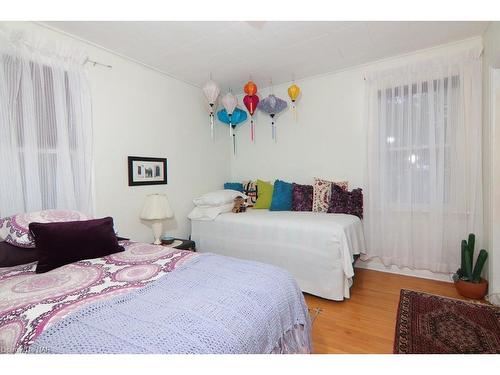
[[118, 54]]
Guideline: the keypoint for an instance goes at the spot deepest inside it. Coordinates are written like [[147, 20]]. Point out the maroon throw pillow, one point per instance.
[[11, 255], [346, 202], [302, 197], [62, 243]]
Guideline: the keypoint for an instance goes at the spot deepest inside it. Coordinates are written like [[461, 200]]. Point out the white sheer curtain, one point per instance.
[[45, 127], [424, 186]]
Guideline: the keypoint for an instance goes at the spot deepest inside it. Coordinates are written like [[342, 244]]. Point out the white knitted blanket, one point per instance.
[[213, 304]]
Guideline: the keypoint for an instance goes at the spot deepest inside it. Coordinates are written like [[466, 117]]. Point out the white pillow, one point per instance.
[[218, 198], [209, 213], [15, 229], [3, 233]]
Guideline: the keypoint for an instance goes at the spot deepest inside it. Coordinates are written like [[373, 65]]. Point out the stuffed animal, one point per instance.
[[239, 205]]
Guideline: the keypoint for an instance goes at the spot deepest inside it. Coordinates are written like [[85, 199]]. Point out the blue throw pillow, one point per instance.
[[282, 196], [238, 186]]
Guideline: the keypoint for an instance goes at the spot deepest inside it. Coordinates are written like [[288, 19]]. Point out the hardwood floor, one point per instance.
[[365, 323]]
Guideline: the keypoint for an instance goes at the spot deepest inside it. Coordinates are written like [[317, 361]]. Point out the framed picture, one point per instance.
[[146, 171]]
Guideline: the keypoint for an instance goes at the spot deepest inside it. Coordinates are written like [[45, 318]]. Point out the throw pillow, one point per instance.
[[346, 202], [217, 198], [15, 228], [282, 196], [238, 186], [250, 190], [209, 213], [302, 197], [63, 243], [11, 255], [265, 194], [322, 192]]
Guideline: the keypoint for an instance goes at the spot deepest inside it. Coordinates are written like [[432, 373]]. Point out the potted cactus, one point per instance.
[[468, 280]]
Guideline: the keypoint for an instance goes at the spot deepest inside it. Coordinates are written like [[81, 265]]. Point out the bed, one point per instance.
[[318, 249], [152, 299]]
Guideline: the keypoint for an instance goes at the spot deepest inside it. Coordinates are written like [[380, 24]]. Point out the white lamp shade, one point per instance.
[[229, 101], [156, 207], [211, 91]]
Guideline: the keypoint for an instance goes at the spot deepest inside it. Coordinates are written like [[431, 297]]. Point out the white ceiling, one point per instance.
[[280, 51]]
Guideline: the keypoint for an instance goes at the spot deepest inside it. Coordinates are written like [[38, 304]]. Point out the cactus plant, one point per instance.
[[467, 270], [468, 263], [471, 243], [481, 260]]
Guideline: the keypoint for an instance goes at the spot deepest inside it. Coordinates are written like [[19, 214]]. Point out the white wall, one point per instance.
[[329, 138], [491, 156], [140, 112]]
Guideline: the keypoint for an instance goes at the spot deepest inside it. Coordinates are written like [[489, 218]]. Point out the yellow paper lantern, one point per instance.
[[293, 93]]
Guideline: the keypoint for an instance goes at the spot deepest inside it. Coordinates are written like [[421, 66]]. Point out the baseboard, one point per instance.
[[376, 265], [494, 298]]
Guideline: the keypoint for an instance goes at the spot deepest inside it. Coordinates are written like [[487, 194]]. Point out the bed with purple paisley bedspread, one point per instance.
[[35, 307], [30, 302]]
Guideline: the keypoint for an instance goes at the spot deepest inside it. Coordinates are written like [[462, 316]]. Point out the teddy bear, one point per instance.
[[239, 204]]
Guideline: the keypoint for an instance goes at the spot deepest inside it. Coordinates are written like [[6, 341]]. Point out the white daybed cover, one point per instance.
[[317, 248]]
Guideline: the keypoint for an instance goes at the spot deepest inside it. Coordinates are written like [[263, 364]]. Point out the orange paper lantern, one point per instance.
[[250, 88]]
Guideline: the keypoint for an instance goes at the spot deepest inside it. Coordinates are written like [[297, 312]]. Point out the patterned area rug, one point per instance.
[[429, 324]]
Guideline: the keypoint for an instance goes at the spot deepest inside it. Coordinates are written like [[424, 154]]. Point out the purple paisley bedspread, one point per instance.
[[30, 302]]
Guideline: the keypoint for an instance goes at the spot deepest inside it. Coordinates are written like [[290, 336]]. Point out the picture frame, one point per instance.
[[147, 171]]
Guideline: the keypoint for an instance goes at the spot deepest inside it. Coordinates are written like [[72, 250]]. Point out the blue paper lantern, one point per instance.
[[237, 117]]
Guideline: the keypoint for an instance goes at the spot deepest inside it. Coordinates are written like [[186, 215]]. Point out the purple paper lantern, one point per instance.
[[272, 105]]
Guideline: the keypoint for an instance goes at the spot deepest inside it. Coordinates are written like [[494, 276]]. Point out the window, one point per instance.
[[46, 133], [416, 138], [424, 184]]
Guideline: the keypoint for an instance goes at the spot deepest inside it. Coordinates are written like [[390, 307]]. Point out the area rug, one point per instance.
[[429, 324]]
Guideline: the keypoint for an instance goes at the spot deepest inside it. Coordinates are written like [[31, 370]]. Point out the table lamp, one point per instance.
[[156, 209]]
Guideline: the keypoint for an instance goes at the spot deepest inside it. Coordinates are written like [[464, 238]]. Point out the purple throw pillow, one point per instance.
[[346, 202], [302, 197], [62, 243], [11, 255]]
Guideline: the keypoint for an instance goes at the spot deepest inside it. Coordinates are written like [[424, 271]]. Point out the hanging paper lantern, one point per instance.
[[229, 101], [238, 116], [211, 91], [293, 93], [251, 102], [272, 105], [250, 88]]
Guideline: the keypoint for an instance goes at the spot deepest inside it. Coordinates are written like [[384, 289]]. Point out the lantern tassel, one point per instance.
[[252, 130], [274, 131], [234, 144], [212, 125], [230, 115]]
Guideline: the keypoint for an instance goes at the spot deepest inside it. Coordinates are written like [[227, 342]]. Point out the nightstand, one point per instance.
[[182, 244]]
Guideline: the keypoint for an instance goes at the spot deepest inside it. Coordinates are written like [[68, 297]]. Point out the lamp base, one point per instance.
[[157, 230]]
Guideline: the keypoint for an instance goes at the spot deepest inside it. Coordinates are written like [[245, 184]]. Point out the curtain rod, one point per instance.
[[97, 63]]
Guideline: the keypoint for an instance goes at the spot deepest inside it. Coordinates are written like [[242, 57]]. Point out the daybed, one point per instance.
[[318, 249]]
